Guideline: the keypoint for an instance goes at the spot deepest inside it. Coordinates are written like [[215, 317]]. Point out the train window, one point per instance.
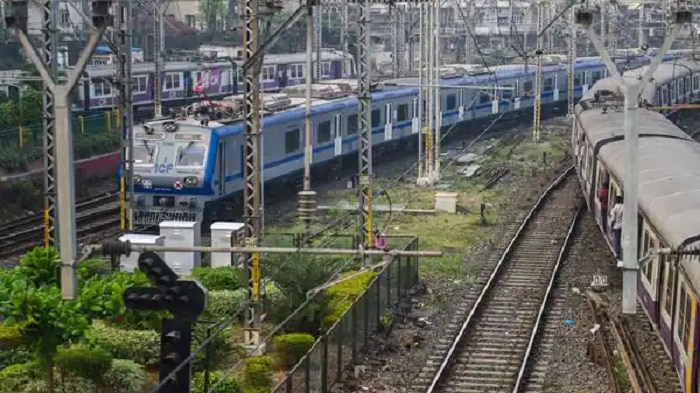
[[102, 88], [145, 153], [402, 112], [577, 79], [595, 76], [352, 124], [376, 118], [139, 84], [647, 244], [292, 141], [484, 96], [267, 73], [507, 94], [684, 312], [548, 84], [172, 81], [696, 82], [323, 134], [527, 88], [669, 282], [451, 102], [681, 88], [296, 71], [190, 155]]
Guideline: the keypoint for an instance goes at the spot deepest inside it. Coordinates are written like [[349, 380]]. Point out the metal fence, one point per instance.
[[32, 134], [324, 364]]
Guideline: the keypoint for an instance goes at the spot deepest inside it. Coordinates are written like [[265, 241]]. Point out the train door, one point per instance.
[[460, 111], [666, 295], [683, 329], [222, 168], [388, 124], [338, 133], [585, 82], [649, 269], [555, 91], [415, 126], [602, 178]]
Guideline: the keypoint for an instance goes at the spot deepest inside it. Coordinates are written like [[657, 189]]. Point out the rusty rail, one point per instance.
[[638, 373], [598, 349]]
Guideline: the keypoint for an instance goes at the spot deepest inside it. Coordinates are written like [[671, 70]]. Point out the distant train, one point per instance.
[[188, 171], [180, 80], [669, 184]]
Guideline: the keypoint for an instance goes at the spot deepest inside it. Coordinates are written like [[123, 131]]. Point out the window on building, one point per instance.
[[172, 81], [402, 112], [292, 141], [326, 68], [352, 124], [65, 17], [102, 88], [191, 20], [296, 71], [139, 84], [323, 134], [376, 118], [451, 102]]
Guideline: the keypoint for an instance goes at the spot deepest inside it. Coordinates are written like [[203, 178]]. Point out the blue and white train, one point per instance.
[[184, 170]]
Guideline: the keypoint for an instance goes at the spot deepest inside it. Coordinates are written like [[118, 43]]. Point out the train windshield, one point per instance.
[[145, 153], [190, 155]]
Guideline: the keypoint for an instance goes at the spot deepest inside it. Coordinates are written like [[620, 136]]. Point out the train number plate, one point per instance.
[[156, 217], [599, 280]]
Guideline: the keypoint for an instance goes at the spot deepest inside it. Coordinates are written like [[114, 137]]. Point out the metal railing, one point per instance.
[[337, 348]]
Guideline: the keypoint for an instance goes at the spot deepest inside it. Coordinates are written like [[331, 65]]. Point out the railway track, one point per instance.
[[488, 347], [94, 214]]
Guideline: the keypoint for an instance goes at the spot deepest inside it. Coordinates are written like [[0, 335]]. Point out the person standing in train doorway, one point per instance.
[[603, 199], [616, 225]]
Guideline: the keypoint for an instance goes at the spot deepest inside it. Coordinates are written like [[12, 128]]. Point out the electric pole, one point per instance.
[[537, 108], [315, 74], [124, 81], [50, 57], [158, 43], [307, 197], [571, 64], [364, 105]]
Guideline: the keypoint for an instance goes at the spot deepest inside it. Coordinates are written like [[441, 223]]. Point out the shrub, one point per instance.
[[92, 268], [228, 384], [223, 303], [220, 348], [10, 336], [226, 278], [292, 347], [141, 346], [257, 371], [13, 378], [125, 376], [40, 266], [342, 295], [81, 361]]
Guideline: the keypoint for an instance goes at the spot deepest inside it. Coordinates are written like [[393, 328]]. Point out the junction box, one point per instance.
[[182, 234], [222, 234], [131, 263]]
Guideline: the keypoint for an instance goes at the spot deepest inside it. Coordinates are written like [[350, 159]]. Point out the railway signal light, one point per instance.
[[157, 270], [175, 347]]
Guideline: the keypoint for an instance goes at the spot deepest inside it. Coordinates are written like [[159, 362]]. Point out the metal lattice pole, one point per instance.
[[158, 38], [307, 202], [49, 49], [421, 92], [251, 171], [364, 106], [436, 90], [537, 108], [401, 45], [318, 41], [571, 63], [124, 81], [344, 36], [394, 18]]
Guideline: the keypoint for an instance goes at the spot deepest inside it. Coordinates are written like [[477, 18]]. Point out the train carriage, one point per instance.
[[669, 203]]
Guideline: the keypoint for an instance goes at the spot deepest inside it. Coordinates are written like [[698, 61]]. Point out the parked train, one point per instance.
[[217, 79], [669, 181], [188, 171]]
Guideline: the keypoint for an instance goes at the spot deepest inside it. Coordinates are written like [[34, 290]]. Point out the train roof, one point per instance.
[[669, 173]]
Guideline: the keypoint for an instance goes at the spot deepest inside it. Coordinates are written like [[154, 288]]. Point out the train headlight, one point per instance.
[[137, 179], [191, 181]]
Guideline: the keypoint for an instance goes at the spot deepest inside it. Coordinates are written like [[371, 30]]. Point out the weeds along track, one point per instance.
[[488, 349]]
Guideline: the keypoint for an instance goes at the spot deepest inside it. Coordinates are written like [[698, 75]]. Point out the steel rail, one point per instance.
[[504, 257]]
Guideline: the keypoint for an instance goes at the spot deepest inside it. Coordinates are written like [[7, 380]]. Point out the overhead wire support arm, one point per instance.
[[60, 92], [275, 35]]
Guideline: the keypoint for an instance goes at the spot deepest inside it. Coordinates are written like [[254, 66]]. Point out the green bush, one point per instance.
[[141, 346], [10, 337], [257, 371], [220, 348], [40, 266], [257, 389], [222, 304], [228, 384], [341, 296], [92, 268], [125, 376], [81, 361], [15, 377], [226, 278], [290, 348]]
